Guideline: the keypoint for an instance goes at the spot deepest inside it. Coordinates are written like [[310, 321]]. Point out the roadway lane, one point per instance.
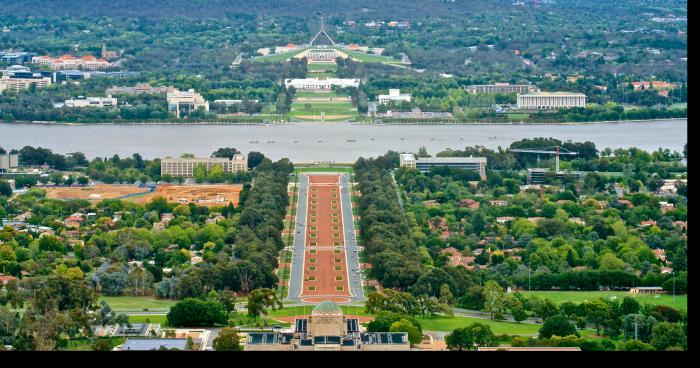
[[296, 275], [351, 249]]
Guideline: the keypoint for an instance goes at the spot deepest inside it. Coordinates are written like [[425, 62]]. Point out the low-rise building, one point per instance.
[[504, 88], [321, 84], [183, 102], [185, 166], [80, 102], [424, 164], [138, 89], [22, 81], [550, 100], [394, 95], [70, 62]]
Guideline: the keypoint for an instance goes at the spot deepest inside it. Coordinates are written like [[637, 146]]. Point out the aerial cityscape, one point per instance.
[[333, 175]]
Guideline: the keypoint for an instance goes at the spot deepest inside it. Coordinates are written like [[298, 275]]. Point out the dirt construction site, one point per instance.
[[203, 195]]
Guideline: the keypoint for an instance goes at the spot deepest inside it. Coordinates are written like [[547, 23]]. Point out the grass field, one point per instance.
[[497, 327], [681, 301], [153, 318], [301, 310], [139, 303], [517, 116], [309, 106]]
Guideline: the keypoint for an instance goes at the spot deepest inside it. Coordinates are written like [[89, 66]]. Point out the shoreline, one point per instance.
[[215, 123]]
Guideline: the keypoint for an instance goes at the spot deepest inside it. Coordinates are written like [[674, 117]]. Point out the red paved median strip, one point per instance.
[[325, 268]]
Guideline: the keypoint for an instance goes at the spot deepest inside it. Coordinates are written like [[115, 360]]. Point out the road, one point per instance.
[[296, 275], [351, 249]]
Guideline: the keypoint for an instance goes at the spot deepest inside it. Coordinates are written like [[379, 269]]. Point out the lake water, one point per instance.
[[334, 142]]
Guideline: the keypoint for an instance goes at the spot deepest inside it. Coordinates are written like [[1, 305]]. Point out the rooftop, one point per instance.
[[327, 306]]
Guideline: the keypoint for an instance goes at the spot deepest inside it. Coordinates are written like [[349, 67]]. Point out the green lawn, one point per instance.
[[272, 58], [137, 302], [152, 318], [518, 116], [681, 301], [302, 310], [449, 324]]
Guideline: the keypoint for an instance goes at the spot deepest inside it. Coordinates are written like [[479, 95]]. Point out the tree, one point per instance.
[[519, 313], [629, 306], [196, 313], [493, 296], [414, 334], [227, 152], [5, 188], [637, 345], [228, 300], [260, 300], [557, 326], [254, 159], [468, 338], [228, 340], [638, 327], [597, 312], [667, 335]]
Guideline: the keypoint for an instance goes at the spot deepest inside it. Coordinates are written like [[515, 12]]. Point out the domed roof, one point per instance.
[[327, 306]]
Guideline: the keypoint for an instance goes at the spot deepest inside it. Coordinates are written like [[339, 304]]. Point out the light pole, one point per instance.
[[528, 276]]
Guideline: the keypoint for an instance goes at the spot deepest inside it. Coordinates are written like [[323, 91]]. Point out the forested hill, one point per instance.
[[413, 9]]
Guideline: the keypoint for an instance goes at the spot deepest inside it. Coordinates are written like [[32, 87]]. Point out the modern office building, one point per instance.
[[138, 89], [550, 100], [10, 57], [424, 164], [185, 166], [504, 88], [24, 80], [321, 84], [394, 95], [108, 101], [327, 329], [183, 102], [8, 161]]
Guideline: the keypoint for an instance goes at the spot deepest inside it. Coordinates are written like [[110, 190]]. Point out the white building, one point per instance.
[[394, 95], [181, 102], [316, 84], [108, 101], [550, 100]]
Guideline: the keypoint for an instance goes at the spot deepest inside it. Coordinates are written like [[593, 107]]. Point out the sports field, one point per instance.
[[325, 267], [681, 301], [95, 193], [203, 195]]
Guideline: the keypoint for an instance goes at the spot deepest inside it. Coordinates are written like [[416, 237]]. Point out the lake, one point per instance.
[[331, 142]]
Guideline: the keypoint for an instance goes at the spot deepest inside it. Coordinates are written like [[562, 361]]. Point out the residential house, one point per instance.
[[469, 203]]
